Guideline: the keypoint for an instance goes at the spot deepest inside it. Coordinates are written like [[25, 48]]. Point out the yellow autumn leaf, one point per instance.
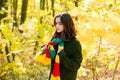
[[7, 67], [116, 29], [20, 70], [84, 52], [82, 72], [2, 74]]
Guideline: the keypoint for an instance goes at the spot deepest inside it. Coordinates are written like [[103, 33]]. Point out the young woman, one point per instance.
[[71, 55]]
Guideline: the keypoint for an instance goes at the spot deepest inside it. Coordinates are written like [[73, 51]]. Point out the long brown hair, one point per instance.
[[69, 29]]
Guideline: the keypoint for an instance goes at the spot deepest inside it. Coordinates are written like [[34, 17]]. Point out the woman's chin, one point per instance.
[[58, 31]]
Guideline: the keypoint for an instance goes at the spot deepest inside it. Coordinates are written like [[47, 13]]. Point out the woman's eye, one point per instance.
[[60, 23]]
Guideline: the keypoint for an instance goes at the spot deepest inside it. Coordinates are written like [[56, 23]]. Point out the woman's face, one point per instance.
[[59, 26]]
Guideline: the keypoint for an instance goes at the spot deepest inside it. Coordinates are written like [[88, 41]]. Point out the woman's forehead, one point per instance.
[[58, 19]]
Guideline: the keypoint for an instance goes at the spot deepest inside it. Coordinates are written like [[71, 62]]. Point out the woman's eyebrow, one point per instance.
[[58, 22]]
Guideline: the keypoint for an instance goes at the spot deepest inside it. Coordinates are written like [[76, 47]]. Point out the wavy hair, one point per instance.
[[69, 29]]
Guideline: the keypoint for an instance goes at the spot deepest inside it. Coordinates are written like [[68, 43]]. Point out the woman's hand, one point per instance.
[[44, 46]]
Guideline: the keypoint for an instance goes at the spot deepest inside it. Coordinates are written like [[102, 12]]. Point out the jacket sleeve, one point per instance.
[[73, 63]]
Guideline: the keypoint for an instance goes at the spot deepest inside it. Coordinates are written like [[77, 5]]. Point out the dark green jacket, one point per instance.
[[70, 59]]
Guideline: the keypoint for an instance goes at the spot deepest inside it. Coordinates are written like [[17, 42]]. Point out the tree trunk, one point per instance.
[[14, 14], [76, 3], [42, 4], [35, 47], [52, 4], [23, 11], [47, 5], [7, 49], [3, 7], [7, 52], [116, 66]]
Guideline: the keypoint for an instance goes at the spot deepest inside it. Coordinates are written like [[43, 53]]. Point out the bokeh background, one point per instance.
[[25, 25]]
